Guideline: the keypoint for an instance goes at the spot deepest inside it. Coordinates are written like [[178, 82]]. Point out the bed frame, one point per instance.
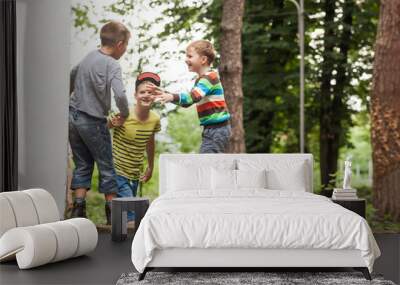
[[250, 258], [243, 259]]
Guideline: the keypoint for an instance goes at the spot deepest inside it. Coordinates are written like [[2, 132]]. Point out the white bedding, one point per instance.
[[252, 218]]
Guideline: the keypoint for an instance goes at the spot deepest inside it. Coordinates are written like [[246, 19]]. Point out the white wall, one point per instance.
[[43, 59]]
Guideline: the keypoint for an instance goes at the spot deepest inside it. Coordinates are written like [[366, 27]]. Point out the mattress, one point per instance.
[[251, 219]]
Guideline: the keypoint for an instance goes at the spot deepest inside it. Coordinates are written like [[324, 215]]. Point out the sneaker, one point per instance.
[[79, 210], [107, 208]]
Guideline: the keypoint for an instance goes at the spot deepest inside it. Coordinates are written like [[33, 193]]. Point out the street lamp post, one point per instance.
[[300, 15]]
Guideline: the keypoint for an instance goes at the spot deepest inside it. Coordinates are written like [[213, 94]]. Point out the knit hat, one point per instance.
[[148, 76]]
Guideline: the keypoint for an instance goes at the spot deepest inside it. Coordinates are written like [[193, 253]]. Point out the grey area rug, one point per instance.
[[243, 278]]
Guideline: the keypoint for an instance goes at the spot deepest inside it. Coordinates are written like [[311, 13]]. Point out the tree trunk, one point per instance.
[[328, 157], [385, 112], [333, 105], [231, 69]]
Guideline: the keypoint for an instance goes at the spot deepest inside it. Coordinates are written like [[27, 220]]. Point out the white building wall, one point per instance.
[[43, 63]]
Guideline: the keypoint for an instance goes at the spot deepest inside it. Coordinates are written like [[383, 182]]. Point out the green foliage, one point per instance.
[[121, 7], [359, 145], [184, 129], [340, 70], [183, 16], [270, 71], [377, 224], [82, 18]]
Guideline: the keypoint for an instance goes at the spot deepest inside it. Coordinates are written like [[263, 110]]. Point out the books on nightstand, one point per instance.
[[344, 194]]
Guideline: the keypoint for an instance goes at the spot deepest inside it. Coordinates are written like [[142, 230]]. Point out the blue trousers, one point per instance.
[[215, 140], [127, 188], [90, 142]]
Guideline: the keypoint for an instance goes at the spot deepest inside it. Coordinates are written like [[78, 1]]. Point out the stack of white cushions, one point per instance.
[[234, 175], [31, 230]]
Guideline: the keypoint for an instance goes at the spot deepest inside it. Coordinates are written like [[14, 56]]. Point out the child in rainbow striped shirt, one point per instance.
[[207, 93]]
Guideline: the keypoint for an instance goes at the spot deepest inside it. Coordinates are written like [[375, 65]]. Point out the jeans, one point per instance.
[[127, 188], [215, 140], [90, 142]]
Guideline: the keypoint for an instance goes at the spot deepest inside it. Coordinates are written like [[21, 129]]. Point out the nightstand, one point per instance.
[[119, 211], [355, 205]]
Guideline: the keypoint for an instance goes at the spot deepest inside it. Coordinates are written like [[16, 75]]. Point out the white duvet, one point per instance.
[[250, 219]]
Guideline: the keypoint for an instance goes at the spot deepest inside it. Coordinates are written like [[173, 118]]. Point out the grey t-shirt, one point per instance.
[[91, 83]]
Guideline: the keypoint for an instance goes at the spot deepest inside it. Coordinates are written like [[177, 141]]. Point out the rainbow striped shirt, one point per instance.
[[208, 93]]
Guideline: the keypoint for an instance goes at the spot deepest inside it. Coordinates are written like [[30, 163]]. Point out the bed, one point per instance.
[[247, 210]]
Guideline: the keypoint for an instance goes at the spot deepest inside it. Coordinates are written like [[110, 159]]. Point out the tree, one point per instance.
[[231, 69], [270, 73], [333, 109], [270, 76], [385, 109], [346, 55]]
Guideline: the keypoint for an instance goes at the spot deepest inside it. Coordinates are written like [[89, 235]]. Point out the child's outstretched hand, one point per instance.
[[117, 121], [160, 95], [146, 175]]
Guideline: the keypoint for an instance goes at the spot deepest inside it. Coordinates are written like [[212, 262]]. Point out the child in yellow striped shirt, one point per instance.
[[135, 137]]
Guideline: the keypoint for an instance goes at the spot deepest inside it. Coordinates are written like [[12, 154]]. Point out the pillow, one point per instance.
[[183, 177], [281, 174], [294, 179], [223, 179], [251, 178]]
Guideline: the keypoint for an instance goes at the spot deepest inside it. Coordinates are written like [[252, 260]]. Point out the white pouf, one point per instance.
[[32, 246], [7, 218], [87, 235], [22, 207], [31, 232], [45, 205]]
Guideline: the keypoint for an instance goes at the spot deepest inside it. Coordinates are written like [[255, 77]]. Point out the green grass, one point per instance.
[[95, 200]]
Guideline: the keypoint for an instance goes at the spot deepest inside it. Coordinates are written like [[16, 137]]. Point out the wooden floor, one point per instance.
[[110, 260], [102, 266]]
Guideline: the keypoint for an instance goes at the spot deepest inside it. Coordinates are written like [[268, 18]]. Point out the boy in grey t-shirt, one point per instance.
[[91, 83]]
